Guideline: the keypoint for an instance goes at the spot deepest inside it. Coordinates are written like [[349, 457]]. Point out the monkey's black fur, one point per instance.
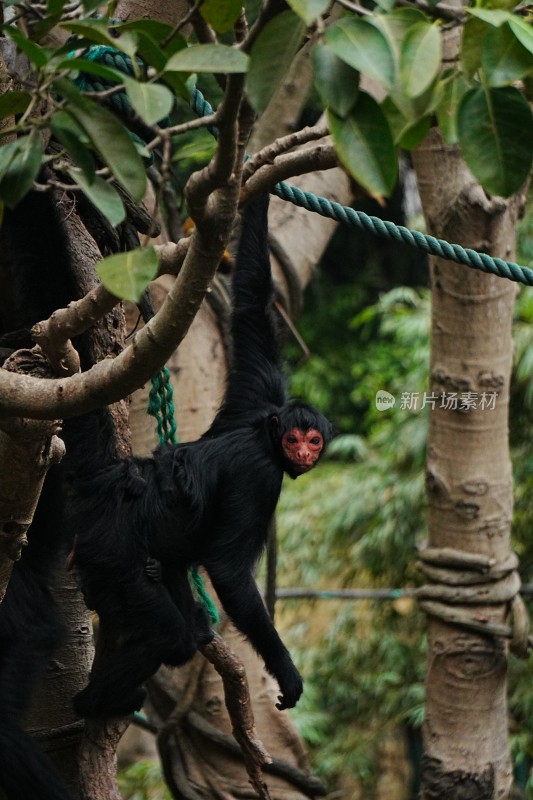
[[34, 256], [207, 502]]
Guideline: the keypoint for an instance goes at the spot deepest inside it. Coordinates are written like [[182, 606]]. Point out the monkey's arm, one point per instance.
[[254, 378], [237, 591]]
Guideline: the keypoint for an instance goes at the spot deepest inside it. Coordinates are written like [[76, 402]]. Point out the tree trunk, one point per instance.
[[469, 485]]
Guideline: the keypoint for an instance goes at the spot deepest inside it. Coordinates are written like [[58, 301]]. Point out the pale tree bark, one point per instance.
[[469, 487]]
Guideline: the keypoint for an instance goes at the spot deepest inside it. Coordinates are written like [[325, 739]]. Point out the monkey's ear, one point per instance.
[[274, 424]]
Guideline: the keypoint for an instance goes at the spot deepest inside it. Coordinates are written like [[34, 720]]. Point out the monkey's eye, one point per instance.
[[292, 439], [315, 440]]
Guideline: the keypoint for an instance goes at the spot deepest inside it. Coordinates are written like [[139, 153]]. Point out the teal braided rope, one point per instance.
[[110, 57], [161, 406], [203, 595], [388, 230]]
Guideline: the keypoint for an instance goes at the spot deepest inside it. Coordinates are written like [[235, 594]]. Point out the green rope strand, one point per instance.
[[161, 406], [388, 230], [203, 595]]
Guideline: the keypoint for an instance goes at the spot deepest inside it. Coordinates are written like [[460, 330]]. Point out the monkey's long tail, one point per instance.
[[25, 771]]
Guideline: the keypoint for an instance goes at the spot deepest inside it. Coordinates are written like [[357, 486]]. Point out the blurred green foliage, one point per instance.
[[143, 781]]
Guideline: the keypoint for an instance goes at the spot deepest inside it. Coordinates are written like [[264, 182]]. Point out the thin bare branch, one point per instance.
[[239, 707], [310, 159], [283, 145]]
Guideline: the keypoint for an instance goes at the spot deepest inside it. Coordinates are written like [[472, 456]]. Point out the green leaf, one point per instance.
[[102, 195], [55, 6], [495, 130], [35, 53], [523, 31], [208, 58], [221, 16], [20, 162], [408, 131], [503, 58], [309, 10], [337, 83], [13, 103], [93, 30], [271, 56], [449, 94], [414, 133], [364, 144], [363, 47], [108, 136], [73, 139], [394, 27], [420, 58], [154, 28], [473, 32], [126, 275], [91, 5], [151, 101], [84, 66], [494, 16]]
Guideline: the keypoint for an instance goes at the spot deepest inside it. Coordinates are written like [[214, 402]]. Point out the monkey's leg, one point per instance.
[[150, 630], [193, 612]]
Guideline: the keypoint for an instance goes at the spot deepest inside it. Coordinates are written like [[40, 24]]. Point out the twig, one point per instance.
[[239, 707], [268, 154], [308, 784], [355, 7]]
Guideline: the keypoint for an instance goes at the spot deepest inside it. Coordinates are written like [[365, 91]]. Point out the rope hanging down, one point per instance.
[[161, 406]]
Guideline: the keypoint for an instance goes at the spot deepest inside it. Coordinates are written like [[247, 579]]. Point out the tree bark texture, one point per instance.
[[469, 482]]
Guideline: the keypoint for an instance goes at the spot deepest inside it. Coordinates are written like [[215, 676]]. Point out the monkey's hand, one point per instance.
[[291, 685]]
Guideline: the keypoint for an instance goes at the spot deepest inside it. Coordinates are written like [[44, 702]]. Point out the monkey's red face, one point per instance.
[[302, 448]]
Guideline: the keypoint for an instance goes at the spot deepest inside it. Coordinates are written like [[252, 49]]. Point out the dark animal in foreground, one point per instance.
[[207, 502]]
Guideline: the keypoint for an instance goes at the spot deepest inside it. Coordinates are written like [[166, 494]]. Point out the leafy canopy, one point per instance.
[[147, 69]]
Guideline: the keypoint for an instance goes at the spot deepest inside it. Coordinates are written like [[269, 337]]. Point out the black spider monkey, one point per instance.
[[207, 502]]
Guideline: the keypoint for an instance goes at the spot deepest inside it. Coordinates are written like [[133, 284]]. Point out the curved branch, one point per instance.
[[268, 154], [288, 165]]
